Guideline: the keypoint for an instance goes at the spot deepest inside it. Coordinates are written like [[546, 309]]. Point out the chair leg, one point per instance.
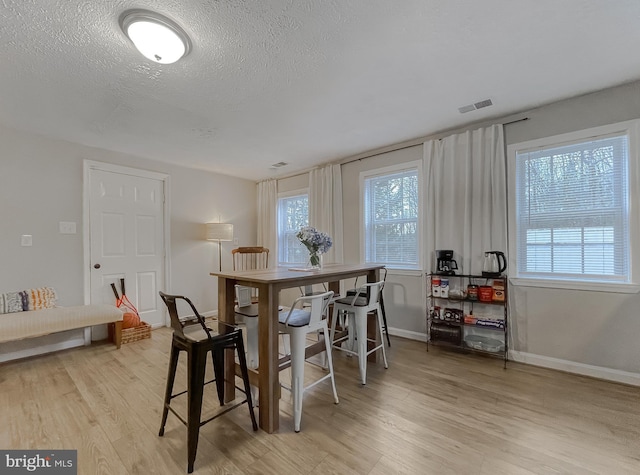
[[334, 318], [171, 377], [324, 334], [384, 352], [297, 375], [361, 335], [384, 319], [245, 379], [255, 395], [286, 344], [253, 361], [217, 356], [195, 385], [352, 331], [327, 345], [252, 342]]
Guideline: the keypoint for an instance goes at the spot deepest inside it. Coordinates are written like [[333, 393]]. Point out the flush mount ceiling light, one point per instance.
[[156, 37]]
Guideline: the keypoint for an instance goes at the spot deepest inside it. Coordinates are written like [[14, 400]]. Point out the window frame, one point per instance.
[[381, 172], [282, 196], [628, 128]]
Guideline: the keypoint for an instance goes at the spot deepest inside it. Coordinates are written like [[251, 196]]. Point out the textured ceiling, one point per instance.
[[300, 81]]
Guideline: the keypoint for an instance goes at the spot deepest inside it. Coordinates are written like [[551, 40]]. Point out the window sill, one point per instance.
[[619, 288], [409, 272]]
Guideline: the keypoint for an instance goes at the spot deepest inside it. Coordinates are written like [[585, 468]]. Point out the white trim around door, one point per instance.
[[90, 165]]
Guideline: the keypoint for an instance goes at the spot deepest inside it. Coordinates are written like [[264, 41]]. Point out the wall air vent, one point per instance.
[[477, 105]]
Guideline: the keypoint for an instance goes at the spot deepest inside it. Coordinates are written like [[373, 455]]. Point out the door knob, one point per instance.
[[96, 266]]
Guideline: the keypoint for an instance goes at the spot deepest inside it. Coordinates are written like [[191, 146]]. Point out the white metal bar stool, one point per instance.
[[357, 307], [297, 322]]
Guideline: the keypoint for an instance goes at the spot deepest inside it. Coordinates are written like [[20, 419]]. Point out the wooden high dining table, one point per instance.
[[269, 283]]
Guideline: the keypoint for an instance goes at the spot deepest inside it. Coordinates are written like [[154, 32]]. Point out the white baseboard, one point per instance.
[[577, 368], [599, 372]]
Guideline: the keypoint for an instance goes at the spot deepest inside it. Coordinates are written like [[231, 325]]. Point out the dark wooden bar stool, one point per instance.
[[196, 339]]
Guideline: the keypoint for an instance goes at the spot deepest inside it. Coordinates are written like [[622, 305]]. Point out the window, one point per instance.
[[391, 224], [293, 214], [572, 213]]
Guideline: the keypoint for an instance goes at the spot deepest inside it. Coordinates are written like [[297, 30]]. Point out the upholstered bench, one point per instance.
[[34, 323], [32, 313]]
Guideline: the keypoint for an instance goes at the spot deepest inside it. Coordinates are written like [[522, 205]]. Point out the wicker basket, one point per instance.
[[140, 332]]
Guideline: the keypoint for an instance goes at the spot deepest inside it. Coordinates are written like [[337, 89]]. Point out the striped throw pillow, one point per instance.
[[43, 297]]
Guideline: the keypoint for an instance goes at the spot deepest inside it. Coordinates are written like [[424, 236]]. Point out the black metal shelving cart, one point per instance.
[[472, 315]]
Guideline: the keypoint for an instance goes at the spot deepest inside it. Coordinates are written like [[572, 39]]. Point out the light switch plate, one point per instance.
[[67, 227], [236, 241], [26, 240]]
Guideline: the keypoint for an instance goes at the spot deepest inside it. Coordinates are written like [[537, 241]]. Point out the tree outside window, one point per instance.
[[293, 214], [391, 210], [572, 210]]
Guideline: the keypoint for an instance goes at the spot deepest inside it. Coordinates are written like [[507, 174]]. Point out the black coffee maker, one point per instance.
[[446, 264]]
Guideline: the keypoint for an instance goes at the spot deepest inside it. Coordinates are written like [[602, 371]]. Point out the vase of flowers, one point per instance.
[[316, 242]]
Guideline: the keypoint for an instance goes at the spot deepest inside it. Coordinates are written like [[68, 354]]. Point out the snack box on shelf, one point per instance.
[[498, 290], [489, 322]]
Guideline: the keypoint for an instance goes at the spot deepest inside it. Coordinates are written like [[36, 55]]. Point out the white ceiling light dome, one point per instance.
[[156, 37]]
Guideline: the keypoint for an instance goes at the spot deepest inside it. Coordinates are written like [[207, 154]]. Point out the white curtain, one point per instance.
[[267, 218], [325, 207], [466, 195]]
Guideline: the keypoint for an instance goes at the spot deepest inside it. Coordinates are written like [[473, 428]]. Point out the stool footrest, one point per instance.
[[245, 401]]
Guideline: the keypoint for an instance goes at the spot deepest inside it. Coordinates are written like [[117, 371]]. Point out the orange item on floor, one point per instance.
[[130, 320]]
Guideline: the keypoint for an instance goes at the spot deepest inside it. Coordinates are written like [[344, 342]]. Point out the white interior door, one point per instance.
[[127, 240]]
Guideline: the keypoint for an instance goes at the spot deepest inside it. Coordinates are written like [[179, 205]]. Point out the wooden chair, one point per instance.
[[250, 258]]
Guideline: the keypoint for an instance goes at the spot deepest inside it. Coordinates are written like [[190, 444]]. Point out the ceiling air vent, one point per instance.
[[279, 164], [468, 108], [477, 105], [485, 103]]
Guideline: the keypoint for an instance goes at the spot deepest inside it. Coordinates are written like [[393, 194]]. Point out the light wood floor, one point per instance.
[[437, 412]]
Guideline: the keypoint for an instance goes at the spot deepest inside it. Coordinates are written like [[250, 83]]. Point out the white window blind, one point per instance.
[[391, 206], [293, 214], [572, 210]]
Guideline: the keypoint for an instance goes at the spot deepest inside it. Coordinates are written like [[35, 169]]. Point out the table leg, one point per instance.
[[269, 417], [335, 286]]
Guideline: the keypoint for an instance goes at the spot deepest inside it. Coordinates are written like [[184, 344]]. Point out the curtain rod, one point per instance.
[[414, 145], [514, 121], [379, 153]]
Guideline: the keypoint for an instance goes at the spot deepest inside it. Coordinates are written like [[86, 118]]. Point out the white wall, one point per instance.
[[590, 332], [41, 184]]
